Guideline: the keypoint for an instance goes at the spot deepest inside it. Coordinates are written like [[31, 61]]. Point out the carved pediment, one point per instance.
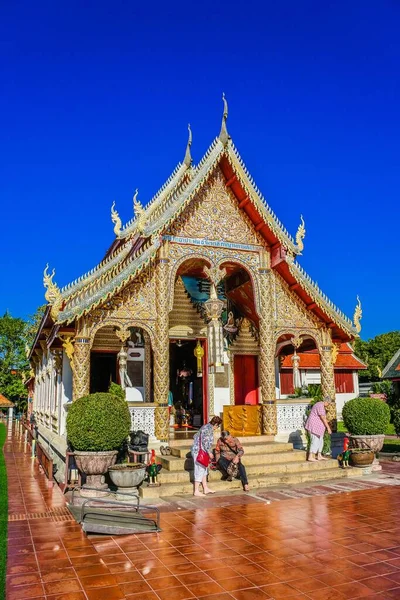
[[290, 311], [214, 215]]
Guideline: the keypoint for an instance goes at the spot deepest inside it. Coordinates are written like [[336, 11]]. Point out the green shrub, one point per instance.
[[98, 422], [366, 416], [116, 390], [315, 391]]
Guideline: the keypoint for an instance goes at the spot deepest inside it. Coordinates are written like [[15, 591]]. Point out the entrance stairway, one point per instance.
[[267, 463]]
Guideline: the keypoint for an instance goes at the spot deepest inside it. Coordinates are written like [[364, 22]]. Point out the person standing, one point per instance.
[[203, 439], [316, 425], [227, 450]]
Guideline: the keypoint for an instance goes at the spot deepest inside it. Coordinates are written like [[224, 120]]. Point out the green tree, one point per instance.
[[376, 353], [13, 360]]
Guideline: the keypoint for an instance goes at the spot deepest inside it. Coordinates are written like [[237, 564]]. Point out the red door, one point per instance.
[[246, 379]]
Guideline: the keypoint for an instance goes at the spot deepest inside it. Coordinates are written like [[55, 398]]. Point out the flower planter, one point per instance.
[[361, 458], [127, 478], [367, 442], [94, 465]]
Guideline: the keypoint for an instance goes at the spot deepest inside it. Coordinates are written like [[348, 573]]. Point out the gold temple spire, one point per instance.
[[223, 134], [357, 316], [188, 156], [300, 235], [115, 218]]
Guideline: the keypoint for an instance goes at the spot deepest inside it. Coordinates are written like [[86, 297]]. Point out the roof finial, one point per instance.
[[300, 235], [116, 220], [357, 316], [188, 157], [223, 134]]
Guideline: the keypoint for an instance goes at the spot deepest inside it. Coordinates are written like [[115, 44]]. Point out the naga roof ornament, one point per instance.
[[223, 134], [115, 218], [53, 293], [357, 316], [188, 156], [140, 213], [300, 235]]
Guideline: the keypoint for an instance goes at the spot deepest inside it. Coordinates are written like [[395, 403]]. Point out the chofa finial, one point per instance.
[[140, 213], [357, 316], [300, 235], [223, 134], [53, 293], [188, 156], [116, 220]]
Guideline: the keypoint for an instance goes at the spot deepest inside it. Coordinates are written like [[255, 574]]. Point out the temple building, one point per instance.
[[200, 303]]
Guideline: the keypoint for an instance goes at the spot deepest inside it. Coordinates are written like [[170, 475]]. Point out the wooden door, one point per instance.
[[246, 379]]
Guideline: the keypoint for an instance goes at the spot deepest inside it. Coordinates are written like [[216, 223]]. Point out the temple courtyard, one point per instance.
[[331, 540]]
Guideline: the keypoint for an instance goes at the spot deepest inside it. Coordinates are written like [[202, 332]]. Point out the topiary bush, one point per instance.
[[366, 416], [116, 390], [98, 422]]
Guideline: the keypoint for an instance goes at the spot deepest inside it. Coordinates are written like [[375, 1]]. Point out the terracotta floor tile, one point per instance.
[[251, 594], [308, 584], [28, 578], [356, 589], [326, 593], [263, 578], [21, 592], [380, 583], [105, 593], [62, 587], [95, 581], [128, 577], [161, 583], [198, 577], [180, 593], [138, 586], [235, 583], [71, 596], [143, 596], [202, 589], [280, 590], [186, 568], [92, 570]]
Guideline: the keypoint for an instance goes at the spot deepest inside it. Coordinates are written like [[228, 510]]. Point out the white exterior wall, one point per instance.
[[66, 391]]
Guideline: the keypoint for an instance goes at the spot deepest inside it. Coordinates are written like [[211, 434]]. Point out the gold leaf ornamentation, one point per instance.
[[300, 235], [115, 218], [358, 316]]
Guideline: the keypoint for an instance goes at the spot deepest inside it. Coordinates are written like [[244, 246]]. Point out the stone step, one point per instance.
[[255, 481], [249, 448], [185, 438], [255, 470], [176, 463]]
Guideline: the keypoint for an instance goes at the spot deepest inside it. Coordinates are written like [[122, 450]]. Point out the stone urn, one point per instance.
[[127, 478], [94, 465], [367, 442], [361, 458]]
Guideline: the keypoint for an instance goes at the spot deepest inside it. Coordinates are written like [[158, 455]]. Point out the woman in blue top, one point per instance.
[[207, 440]]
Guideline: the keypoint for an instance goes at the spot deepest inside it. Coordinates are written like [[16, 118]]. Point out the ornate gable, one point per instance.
[[214, 215], [290, 311]]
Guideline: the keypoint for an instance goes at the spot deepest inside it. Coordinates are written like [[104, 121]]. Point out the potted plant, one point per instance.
[[366, 419], [127, 477], [97, 425]]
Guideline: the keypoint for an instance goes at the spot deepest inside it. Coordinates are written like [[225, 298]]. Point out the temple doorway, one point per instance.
[[186, 386], [245, 379], [103, 370]]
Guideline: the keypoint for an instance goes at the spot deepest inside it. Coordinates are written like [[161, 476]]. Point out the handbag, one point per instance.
[[203, 457], [233, 468]]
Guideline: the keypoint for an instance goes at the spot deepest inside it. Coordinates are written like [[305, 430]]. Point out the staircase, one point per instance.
[[267, 463]]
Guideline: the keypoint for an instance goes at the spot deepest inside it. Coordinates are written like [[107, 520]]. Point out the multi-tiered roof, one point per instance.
[[136, 243]]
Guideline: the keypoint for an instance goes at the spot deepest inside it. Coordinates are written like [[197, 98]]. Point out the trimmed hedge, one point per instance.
[[366, 416], [98, 422]]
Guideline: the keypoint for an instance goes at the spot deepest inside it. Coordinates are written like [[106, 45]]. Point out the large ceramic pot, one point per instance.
[[367, 442], [361, 458], [127, 478], [94, 465]]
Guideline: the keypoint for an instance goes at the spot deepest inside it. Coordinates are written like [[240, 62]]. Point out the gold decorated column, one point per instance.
[[267, 354], [161, 349], [81, 368], [328, 383]]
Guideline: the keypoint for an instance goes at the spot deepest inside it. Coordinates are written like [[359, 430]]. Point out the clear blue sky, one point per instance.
[[95, 98]]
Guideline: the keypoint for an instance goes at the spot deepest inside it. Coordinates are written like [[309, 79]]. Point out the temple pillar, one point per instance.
[[161, 351], [81, 368], [328, 383], [267, 354]]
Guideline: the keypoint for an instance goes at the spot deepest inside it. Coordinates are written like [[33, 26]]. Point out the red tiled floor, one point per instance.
[[311, 547]]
